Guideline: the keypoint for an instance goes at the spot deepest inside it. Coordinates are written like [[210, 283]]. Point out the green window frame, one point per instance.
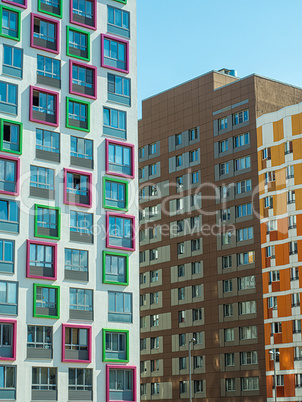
[[35, 314], [120, 331], [37, 206], [126, 193], [110, 282], [68, 29], [121, 1], [50, 13], [17, 38], [14, 123], [81, 102]]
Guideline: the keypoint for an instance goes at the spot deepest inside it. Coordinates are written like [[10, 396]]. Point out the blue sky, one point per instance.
[[182, 39]]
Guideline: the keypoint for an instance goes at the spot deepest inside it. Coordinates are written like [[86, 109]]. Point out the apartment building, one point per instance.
[[200, 238], [69, 322], [279, 164]]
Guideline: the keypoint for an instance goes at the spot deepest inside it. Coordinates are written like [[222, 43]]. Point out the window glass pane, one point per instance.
[[11, 293], [7, 55], [2, 377]]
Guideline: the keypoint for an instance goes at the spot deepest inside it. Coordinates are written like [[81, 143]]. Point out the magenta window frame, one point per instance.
[[94, 26], [89, 337], [117, 367], [125, 216], [124, 144], [73, 62], [125, 42], [67, 170], [13, 3], [14, 346], [57, 24], [54, 255], [17, 160], [47, 91]]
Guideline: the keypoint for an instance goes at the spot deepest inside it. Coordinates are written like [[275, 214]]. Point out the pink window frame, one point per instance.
[[125, 216], [124, 144], [117, 367], [57, 105], [93, 27], [89, 337], [17, 160], [125, 42], [13, 3], [55, 254], [57, 24], [14, 322], [73, 62], [89, 175]]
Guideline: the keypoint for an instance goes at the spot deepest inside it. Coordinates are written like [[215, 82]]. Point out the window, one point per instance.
[[194, 177], [242, 139], [195, 268], [152, 169], [244, 210], [242, 163], [7, 252], [120, 231], [154, 365], [196, 291], [240, 117], [76, 264], [288, 147], [223, 168], [153, 191], [295, 299], [42, 182], [9, 216], [8, 98], [39, 339], [180, 248], [45, 34], [193, 134], [292, 222], [226, 238], [44, 382], [51, 7], [230, 384], [48, 71], [154, 298], [142, 256], [9, 297], [120, 307], [79, 379], [181, 293], [118, 22], [291, 197], [180, 226], [182, 339], [119, 91], [182, 387], [229, 334], [115, 268], [224, 192], [47, 222], [11, 136], [114, 123], [180, 271], [44, 106], [141, 151], [193, 156], [41, 260], [247, 282], [154, 320], [78, 44], [17, 3], [249, 357], [152, 149], [77, 188], [12, 61], [298, 353], [272, 302], [84, 79], [293, 248], [243, 186], [153, 276], [229, 359], [9, 175], [179, 204], [82, 300], [249, 383], [154, 342], [268, 202], [290, 172], [222, 123], [223, 146], [248, 332], [83, 12], [46, 301], [82, 223], [115, 194], [274, 276], [228, 310], [78, 115], [196, 314], [227, 286], [197, 362], [276, 328], [47, 145], [143, 343], [248, 307], [269, 177], [8, 339], [181, 316], [294, 274], [115, 54], [155, 388], [178, 139], [245, 234], [77, 343], [10, 23], [226, 262], [119, 159], [81, 152], [198, 338], [182, 363], [225, 214]]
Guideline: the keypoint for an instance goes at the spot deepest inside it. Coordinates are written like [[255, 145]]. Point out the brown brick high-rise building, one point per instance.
[[200, 246]]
